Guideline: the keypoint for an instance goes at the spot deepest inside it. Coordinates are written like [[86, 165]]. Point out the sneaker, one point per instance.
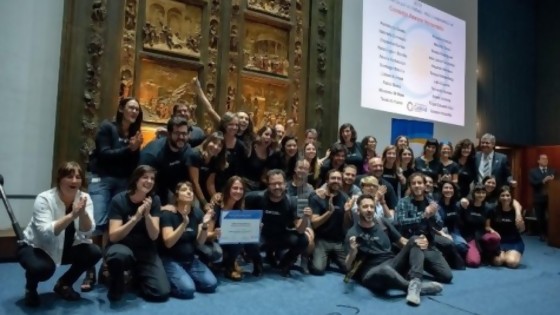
[[413, 295], [430, 288], [32, 298]]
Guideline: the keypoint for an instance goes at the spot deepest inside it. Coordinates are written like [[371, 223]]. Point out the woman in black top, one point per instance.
[[429, 163], [207, 158], [233, 199], [347, 136], [492, 194], [368, 146], [505, 222], [464, 156], [286, 158], [474, 213], [391, 169], [310, 155], [183, 227], [133, 231], [450, 213], [236, 153], [257, 162], [117, 150], [450, 169]]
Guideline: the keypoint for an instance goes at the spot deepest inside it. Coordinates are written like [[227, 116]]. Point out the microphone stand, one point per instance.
[[15, 224]]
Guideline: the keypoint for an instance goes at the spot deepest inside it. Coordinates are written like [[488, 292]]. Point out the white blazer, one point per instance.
[[49, 208]]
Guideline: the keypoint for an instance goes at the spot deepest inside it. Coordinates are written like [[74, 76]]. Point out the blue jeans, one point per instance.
[[188, 277], [102, 190], [460, 243]]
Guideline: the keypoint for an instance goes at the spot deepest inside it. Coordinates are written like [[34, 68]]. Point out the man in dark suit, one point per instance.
[[539, 177], [490, 162]]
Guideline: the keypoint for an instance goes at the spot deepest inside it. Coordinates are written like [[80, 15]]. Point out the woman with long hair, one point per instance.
[[402, 142], [348, 137], [257, 162], [428, 163], [448, 236], [58, 233], [391, 168], [450, 169], [207, 158], [503, 222], [233, 199], [474, 212], [368, 145], [286, 158], [183, 227], [133, 231], [116, 154], [310, 155], [236, 153], [464, 156]]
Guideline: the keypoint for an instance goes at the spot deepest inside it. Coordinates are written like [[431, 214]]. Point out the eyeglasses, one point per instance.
[[180, 134]]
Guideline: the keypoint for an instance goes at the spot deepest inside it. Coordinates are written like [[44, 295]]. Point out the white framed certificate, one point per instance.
[[240, 226]]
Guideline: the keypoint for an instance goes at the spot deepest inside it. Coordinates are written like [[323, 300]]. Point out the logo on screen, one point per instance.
[[416, 107], [410, 106]]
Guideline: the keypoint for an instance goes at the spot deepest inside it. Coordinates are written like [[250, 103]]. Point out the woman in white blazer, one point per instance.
[[58, 233]]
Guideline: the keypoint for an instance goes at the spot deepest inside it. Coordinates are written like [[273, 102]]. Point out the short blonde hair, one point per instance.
[[369, 180]]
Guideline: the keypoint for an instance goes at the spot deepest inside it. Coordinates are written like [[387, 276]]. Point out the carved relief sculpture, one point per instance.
[[279, 8], [128, 51], [266, 100], [173, 26], [161, 86], [92, 92], [266, 49]]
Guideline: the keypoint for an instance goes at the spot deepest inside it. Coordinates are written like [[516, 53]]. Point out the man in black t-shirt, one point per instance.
[[169, 156], [372, 262], [281, 226], [332, 217]]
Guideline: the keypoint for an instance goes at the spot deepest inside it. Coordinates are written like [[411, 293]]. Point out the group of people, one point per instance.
[[383, 220]]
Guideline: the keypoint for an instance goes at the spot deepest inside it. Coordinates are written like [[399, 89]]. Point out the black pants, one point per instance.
[[39, 266], [450, 252], [146, 266], [541, 208], [295, 242], [391, 274], [436, 265]]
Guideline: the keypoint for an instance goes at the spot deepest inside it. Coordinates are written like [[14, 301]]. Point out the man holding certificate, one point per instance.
[[282, 229]]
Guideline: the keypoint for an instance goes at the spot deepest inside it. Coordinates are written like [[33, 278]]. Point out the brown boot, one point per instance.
[[232, 274]]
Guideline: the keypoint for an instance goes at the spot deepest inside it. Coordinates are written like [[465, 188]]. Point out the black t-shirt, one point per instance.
[[122, 208], [184, 249], [112, 157], [204, 169], [254, 167], [474, 221], [374, 244], [69, 232], [503, 222], [451, 168], [390, 176], [278, 217], [467, 175], [354, 156], [235, 157], [433, 169], [172, 167], [332, 229], [450, 215]]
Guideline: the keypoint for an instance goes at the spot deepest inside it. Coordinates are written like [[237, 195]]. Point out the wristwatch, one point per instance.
[[205, 226]]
